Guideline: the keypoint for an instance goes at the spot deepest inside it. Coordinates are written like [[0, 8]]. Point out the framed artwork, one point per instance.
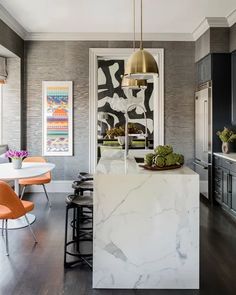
[[57, 118]]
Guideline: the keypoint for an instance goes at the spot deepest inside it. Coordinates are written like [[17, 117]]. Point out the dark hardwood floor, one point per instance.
[[33, 270]]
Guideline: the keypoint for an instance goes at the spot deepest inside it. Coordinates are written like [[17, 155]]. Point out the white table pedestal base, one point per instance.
[[20, 222]]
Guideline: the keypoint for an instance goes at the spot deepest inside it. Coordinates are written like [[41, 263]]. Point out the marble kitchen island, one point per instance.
[[146, 227]]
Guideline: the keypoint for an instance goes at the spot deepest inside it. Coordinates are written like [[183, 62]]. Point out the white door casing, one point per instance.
[[158, 94]]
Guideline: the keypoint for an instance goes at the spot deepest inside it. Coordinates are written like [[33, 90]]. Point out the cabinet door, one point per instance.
[[233, 69], [218, 184], [207, 68], [204, 70], [225, 191], [233, 192]]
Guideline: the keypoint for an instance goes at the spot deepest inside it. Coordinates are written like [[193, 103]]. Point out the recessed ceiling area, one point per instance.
[[114, 16]]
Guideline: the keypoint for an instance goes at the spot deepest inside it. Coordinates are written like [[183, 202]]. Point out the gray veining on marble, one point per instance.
[[146, 227]]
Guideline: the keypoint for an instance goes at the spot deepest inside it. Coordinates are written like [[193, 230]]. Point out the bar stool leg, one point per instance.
[[3, 227], [66, 232], [6, 230]]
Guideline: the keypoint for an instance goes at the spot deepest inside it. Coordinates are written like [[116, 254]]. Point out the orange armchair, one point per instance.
[[11, 207], [40, 180]]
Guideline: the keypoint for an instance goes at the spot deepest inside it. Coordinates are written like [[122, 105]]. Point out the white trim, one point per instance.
[[9, 20], [209, 22], [123, 53], [232, 18], [217, 22], [59, 36], [55, 186]]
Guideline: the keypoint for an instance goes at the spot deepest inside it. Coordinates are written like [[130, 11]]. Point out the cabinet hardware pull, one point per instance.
[[229, 184]]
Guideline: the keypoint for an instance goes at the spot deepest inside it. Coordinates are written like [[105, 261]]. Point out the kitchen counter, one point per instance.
[[231, 156], [146, 226]]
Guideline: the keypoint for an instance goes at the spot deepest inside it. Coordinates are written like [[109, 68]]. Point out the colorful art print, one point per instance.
[[57, 118]]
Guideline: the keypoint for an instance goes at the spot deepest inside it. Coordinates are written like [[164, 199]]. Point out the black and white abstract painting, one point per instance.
[[113, 100]]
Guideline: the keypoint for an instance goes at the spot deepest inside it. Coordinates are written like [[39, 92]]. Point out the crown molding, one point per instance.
[[209, 22], [232, 18], [12, 22], [217, 22], [201, 29], [107, 36]]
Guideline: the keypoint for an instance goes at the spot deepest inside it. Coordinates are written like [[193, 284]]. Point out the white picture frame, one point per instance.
[[57, 116]]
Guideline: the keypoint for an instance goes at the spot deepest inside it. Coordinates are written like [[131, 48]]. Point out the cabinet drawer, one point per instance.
[[227, 164]]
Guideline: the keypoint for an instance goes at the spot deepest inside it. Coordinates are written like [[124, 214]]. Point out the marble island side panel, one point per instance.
[[146, 228]]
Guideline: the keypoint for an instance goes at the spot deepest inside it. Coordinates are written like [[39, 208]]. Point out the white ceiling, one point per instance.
[[114, 16]]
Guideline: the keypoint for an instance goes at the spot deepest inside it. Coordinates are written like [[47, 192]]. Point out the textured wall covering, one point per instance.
[[12, 105], [202, 45], [232, 40], [219, 40], [69, 60], [214, 40], [10, 40]]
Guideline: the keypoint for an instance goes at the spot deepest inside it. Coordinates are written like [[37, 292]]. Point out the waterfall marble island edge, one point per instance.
[[146, 227]]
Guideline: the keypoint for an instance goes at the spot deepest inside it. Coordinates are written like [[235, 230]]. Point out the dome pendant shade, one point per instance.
[[133, 83], [141, 66]]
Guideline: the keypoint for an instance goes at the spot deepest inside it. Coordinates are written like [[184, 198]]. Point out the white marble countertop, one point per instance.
[[115, 163], [145, 225], [231, 156]]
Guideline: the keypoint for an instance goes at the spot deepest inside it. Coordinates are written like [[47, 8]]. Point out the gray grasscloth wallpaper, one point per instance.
[[12, 104], [69, 60], [214, 40], [10, 40]]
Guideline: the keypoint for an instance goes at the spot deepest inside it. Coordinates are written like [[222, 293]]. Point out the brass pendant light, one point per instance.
[[127, 82], [141, 64]]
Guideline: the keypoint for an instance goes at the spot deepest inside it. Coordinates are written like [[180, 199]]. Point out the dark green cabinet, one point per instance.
[[225, 191], [233, 192], [233, 79], [224, 184], [204, 70]]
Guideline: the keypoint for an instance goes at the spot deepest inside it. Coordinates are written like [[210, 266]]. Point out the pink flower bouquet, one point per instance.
[[16, 154]]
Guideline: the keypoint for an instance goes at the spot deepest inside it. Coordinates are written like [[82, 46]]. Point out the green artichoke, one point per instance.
[[160, 161], [173, 159], [180, 159], [163, 150], [148, 159]]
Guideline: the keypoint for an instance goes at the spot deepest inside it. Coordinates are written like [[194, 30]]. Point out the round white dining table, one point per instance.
[[28, 170]]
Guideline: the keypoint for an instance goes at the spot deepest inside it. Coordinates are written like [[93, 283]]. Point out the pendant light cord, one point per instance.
[[141, 39], [134, 23]]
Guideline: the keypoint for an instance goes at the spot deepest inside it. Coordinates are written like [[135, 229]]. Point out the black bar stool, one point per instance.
[[81, 186], [83, 230], [85, 176]]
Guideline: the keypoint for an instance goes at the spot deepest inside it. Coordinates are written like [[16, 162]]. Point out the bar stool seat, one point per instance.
[[85, 176], [80, 200], [78, 185]]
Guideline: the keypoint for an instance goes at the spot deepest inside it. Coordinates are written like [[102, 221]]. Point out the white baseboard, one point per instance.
[[55, 186]]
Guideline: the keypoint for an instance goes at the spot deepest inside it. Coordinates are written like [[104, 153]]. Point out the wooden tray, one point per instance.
[[153, 168]]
